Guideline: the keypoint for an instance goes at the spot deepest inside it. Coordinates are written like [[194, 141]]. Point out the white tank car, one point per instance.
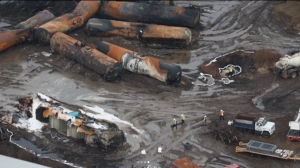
[[289, 61]]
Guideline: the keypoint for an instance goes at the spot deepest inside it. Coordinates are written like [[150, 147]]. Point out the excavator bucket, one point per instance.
[[147, 33], [91, 58], [22, 31], [67, 22], [149, 13], [132, 61]]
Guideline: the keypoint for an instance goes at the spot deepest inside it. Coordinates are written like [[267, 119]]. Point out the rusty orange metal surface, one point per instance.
[[10, 38], [22, 31], [151, 13], [138, 30], [132, 61], [89, 57], [67, 22], [184, 163]]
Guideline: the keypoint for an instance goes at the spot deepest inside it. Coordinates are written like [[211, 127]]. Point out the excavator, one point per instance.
[[289, 65]]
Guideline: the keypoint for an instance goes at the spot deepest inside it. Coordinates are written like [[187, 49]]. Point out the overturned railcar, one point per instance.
[[146, 33], [22, 31], [74, 121], [150, 13], [132, 61], [89, 57], [67, 22]]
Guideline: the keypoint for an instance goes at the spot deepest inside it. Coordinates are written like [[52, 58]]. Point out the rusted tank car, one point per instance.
[[157, 2], [23, 30], [132, 61], [150, 13], [147, 33], [67, 22], [91, 58]]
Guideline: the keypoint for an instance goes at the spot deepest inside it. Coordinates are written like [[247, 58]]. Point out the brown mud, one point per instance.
[[149, 104]]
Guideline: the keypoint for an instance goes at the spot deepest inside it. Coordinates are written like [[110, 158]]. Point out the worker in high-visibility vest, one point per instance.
[[230, 71], [222, 115], [182, 119], [174, 123], [204, 119]]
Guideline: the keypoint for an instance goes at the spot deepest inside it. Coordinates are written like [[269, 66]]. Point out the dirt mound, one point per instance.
[[253, 64], [288, 13]]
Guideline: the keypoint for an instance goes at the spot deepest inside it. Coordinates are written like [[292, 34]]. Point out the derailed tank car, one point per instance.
[[76, 122]]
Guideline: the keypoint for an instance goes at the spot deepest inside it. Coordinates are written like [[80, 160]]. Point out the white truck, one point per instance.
[[294, 132], [259, 126], [289, 65]]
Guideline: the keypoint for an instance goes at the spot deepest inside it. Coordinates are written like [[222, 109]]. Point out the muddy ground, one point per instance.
[[150, 104]]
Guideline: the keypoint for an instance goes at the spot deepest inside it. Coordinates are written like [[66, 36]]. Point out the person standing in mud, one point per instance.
[[230, 73], [204, 119], [222, 115], [174, 123], [182, 119]]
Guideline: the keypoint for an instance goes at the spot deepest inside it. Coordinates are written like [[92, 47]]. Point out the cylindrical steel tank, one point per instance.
[[145, 32], [149, 13], [132, 61], [91, 58], [23, 30], [67, 22]]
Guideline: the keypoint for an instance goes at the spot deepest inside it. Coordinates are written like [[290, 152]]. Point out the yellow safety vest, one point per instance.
[[183, 117], [175, 122]]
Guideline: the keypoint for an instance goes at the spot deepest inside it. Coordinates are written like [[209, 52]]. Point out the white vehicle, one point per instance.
[[289, 65], [260, 126]]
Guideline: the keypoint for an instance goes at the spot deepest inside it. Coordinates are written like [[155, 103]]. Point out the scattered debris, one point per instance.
[[187, 146], [143, 152], [46, 54], [159, 150]]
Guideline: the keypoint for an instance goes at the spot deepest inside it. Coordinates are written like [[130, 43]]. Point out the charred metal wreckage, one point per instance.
[[47, 29], [67, 22], [72, 121], [91, 58], [134, 62], [147, 33], [23, 30]]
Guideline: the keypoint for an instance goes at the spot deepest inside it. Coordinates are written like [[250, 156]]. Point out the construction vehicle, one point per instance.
[[260, 126], [294, 132], [289, 65], [266, 149]]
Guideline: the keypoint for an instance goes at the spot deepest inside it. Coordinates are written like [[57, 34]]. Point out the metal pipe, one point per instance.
[[149, 13], [132, 61], [67, 22], [144, 32], [22, 31], [91, 58]]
